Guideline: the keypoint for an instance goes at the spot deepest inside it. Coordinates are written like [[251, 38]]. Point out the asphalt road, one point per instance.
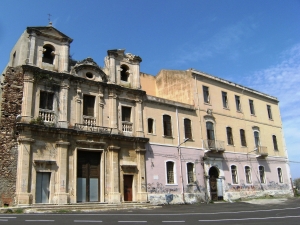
[[218, 213]]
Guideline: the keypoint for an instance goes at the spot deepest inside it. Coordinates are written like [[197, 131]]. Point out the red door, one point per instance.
[[128, 188]]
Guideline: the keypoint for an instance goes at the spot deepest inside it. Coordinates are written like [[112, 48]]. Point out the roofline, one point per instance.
[[200, 73]]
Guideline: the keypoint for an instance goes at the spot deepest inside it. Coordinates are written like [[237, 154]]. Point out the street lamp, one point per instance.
[[179, 154]]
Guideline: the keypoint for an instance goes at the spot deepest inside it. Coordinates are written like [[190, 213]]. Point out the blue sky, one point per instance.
[[254, 43]]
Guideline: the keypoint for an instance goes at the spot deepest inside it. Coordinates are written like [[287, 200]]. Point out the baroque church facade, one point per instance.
[[72, 131]]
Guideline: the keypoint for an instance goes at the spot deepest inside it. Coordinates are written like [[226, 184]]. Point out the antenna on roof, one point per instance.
[[49, 19]]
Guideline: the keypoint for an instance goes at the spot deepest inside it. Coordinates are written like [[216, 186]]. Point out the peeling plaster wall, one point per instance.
[[11, 107]]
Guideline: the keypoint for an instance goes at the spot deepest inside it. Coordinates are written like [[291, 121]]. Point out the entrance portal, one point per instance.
[[88, 176], [128, 188], [42, 187], [213, 175]]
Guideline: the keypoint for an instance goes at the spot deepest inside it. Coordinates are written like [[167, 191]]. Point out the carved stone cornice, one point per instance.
[[62, 143], [113, 148], [24, 139]]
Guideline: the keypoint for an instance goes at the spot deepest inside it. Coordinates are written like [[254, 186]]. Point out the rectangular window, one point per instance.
[[248, 174], [275, 142], [190, 172], [170, 172], [251, 105], [126, 113], [234, 174], [238, 103], [229, 135], [88, 105], [206, 94], [167, 125], [269, 112], [150, 126], [187, 128], [243, 138], [224, 99], [279, 175], [262, 174], [46, 100]]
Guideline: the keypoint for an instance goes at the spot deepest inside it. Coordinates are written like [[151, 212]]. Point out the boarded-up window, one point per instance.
[[126, 113], [88, 105], [46, 100], [188, 129], [167, 125]]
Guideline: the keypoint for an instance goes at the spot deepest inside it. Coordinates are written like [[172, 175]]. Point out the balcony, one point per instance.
[[94, 129], [47, 116], [127, 128], [214, 145], [261, 151], [89, 121]]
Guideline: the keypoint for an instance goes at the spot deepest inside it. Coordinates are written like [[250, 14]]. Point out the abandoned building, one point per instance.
[[72, 131]]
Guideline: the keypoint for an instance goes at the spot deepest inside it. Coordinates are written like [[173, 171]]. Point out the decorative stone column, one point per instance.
[[78, 106], [113, 111], [112, 69], [142, 185], [65, 58], [62, 174], [63, 104], [30, 56], [27, 97], [113, 175], [24, 171], [139, 118]]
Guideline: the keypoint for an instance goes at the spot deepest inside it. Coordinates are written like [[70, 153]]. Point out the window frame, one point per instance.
[[279, 174], [269, 110], [123, 116], [86, 108], [225, 100], [243, 138], [47, 93], [275, 143], [193, 173], [262, 179], [238, 103], [229, 136], [256, 139], [206, 97], [251, 106], [234, 177], [167, 126], [174, 172], [153, 126], [188, 130], [249, 180]]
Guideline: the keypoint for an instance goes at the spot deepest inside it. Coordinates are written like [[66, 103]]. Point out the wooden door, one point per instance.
[[88, 176], [128, 188]]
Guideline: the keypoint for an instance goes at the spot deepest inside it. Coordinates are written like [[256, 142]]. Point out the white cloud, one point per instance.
[[283, 81]]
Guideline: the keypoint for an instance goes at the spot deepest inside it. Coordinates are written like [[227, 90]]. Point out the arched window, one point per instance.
[[210, 134], [170, 172], [279, 171], [248, 174], [124, 73], [262, 174], [234, 174], [229, 135], [256, 139], [48, 54], [190, 172]]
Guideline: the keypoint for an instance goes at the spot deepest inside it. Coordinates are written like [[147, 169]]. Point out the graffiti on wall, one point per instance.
[[159, 188], [194, 188]]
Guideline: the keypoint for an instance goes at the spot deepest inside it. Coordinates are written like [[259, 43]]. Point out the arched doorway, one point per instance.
[[213, 183]]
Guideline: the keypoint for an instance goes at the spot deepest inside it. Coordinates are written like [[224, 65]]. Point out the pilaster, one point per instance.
[[63, 104], [27, 97], [113, 113], [30, 58], [113, 175], [142, 187], [139, 119]]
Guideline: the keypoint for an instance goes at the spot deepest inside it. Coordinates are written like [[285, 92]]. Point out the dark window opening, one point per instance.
[[167, 125], [238, 103], [243, 138], [188, 128], [275, 142], [251, 105], [210, 131], [190, 172], [170, 172], [234, 174], [279, 171], [46, 100], [14, 59], [269, 112], [124, 73], [126, 113], [150, 126], [256, 138], [88, 105], [206, 94], [48, 54], [224, 99], [262, 174], [229, 135], [89, 75]]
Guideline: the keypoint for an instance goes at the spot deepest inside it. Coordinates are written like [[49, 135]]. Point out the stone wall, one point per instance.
[[12, 92]]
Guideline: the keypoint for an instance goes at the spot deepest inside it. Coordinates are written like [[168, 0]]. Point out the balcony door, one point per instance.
[[210, 134], [88, 176]]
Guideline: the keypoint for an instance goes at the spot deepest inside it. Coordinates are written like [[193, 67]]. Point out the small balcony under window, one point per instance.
[[261, 151], [214, 145]]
